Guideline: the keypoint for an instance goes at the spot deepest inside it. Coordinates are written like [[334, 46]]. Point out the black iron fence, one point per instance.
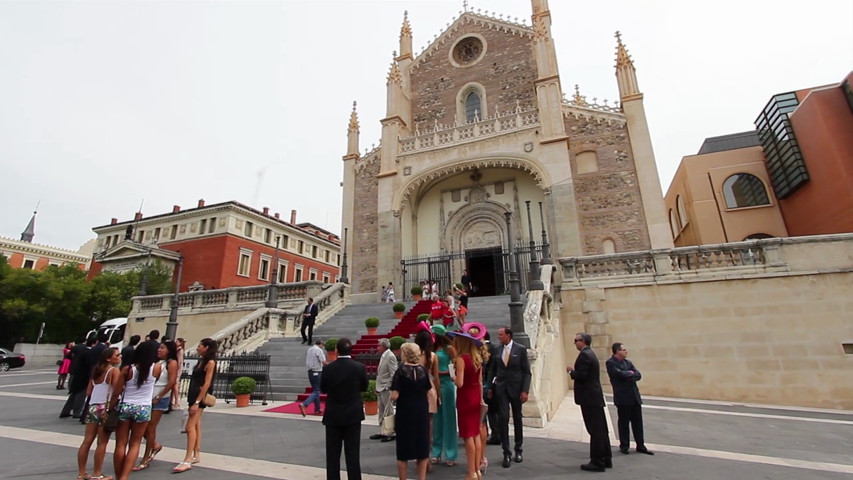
[[229, 368], [488, 268], [370, 361]]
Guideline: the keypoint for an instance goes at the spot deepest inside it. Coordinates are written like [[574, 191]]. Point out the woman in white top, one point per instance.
[[99, 392], [167, 353], [136, 383]]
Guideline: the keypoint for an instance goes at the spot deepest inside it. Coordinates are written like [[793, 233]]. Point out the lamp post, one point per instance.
[[344, 278], [546, 248], [516, 307], [535, 276], [272, 301], [172, 324]]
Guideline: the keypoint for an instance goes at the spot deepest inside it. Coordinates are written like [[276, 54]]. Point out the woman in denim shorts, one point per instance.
[[168, 355], [137, 381], [99, 391]]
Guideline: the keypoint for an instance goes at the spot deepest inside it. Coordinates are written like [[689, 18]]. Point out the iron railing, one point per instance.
[[229, 368]]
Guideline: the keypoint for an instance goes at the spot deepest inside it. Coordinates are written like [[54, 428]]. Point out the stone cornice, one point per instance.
[[392, 119], [12, 245], [386, 174]]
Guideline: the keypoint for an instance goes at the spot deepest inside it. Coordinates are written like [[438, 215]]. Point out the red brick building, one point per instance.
[[24, 253], [222, 245]]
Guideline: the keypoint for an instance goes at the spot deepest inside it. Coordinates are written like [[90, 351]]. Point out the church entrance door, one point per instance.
[[485, 268]]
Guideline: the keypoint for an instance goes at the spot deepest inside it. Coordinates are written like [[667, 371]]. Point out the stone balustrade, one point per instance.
[[756, 256], [442, 136], [227, 297]]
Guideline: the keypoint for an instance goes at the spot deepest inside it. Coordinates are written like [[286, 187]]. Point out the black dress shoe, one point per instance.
[[624, 450], [518, 458], [608, 463], [507, 461], [493, 441], [64, 415], [645, 450], [376, 436], [592, 467], [389, 438]]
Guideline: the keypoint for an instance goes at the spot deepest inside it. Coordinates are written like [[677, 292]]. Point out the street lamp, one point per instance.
[[546, 248], [272, 301], [516, 307], [344, 278], [172, 324], [535, 276]]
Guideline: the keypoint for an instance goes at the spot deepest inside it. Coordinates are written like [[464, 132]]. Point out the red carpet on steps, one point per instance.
[[404, 328], [293, 408]]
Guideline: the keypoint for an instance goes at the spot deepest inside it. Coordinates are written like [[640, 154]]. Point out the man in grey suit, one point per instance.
[[509, 382], [384, 375], [589, 396]]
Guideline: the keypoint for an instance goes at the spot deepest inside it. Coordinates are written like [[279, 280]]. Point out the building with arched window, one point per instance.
[[476, 127], [789, 177]]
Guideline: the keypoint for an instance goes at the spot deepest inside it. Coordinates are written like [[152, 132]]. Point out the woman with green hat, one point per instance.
[[444, 434]]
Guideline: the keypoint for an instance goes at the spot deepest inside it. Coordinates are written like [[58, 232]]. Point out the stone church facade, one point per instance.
[[477, 125]]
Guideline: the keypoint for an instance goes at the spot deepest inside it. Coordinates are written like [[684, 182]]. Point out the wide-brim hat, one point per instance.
[[479, 331]]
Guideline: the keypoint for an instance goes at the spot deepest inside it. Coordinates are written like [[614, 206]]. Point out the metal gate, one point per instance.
[[493, 268]]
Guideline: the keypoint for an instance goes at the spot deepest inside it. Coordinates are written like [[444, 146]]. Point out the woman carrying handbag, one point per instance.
[[201, 381], [100, 391]]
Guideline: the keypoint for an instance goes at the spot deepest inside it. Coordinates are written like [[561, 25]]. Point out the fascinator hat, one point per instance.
[[475, 331], [424, 326], [439, 329]]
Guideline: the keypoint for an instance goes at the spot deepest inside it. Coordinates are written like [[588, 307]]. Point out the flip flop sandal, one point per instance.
[[154, 452], [182, 467], [195, 460], [142, 466]]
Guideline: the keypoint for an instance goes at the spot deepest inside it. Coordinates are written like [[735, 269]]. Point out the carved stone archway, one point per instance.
[[476, 225]]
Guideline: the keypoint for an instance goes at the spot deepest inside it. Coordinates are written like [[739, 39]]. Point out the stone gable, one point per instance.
[[507, 71]]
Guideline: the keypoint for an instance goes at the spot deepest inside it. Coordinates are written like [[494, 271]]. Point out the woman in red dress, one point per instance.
[[64, 366], [469, 362]]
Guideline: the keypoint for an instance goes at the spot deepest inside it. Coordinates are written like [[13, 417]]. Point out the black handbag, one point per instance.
[[111, 423]]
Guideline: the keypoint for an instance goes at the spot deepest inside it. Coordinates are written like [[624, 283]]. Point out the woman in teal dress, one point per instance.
[[444, 435]]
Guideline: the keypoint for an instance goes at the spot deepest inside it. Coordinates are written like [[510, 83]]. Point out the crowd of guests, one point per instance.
[[137, 385], [441, 386]]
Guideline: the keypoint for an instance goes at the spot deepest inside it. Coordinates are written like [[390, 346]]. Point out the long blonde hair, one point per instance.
[[465, 345]]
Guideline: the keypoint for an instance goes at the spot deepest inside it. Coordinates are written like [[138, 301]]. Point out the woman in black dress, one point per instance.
[[409, 390], [201, 381]]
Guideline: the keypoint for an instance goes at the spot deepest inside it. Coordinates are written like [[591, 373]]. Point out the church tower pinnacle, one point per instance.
[[641, 145], [626, 74], [548, 90], [30, 232], [405, 38], [352, 132]]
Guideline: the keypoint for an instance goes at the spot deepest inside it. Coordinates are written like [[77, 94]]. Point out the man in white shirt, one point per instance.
[[314, 361], [384, 375]]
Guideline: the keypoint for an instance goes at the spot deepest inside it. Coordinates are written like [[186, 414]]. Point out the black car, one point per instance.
[[10, 359]]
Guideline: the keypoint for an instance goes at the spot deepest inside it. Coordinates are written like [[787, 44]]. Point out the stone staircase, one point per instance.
[[288, 378]]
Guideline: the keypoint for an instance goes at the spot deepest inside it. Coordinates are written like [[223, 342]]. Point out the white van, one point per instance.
[[114, 328]]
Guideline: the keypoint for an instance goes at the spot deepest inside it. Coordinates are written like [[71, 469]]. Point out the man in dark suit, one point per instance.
[[509, 380], [343, 381], [626, 396], [491, 401], [589, 396], [79, 380], [309, 316]]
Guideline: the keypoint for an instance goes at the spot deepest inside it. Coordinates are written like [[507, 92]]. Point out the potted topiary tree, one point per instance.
[[371, 323], [417, 291], [369, 399], [331, 352], [398, 308], [396, 343], [243, 388]]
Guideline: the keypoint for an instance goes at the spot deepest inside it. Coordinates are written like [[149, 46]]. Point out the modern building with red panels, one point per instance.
[[219, 246]]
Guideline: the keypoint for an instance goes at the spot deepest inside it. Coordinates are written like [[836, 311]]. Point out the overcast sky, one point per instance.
[[106, 104]]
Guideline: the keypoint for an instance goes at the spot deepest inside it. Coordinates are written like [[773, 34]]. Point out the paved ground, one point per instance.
[[693, 440]]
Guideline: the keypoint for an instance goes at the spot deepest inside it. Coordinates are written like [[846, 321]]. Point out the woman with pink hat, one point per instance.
[[469, 362]]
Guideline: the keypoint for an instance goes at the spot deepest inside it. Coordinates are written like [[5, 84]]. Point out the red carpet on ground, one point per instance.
[[293, 408]]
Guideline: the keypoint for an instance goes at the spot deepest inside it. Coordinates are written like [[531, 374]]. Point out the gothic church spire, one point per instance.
[[30, 232], [626, 74]]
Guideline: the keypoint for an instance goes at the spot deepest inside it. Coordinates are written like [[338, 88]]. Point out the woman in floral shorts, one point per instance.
[[100, 391]]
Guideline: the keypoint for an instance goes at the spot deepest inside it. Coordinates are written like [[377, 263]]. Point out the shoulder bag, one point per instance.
[[388, 420]]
